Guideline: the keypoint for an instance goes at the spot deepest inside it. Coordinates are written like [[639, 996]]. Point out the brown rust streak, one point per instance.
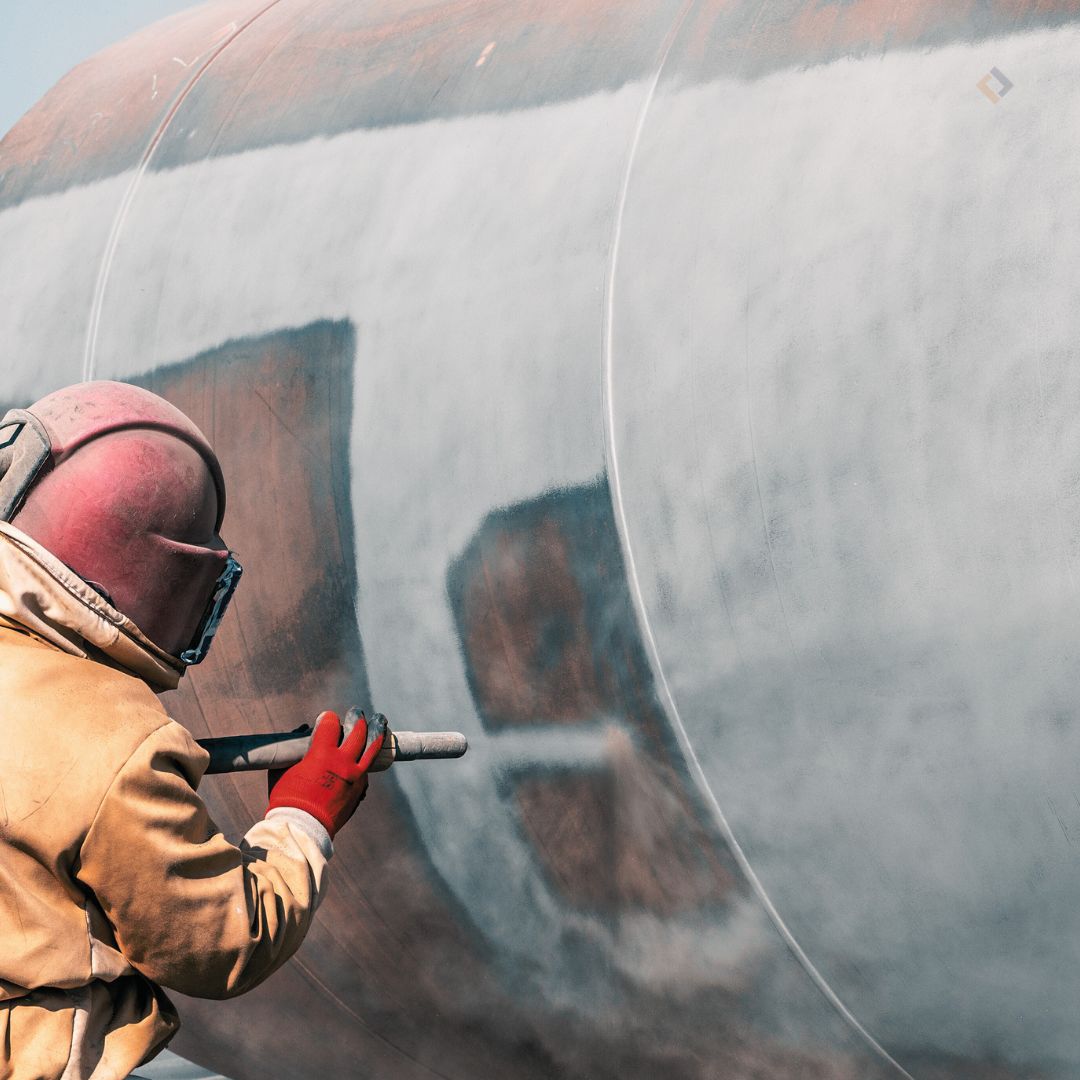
[[1024, 9], [550, 638], [837, 26], [622, 840], [526, 586], [722, 37], [109, 106], [339, 65]]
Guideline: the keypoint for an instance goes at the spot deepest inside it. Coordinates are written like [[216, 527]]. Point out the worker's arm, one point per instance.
[[190, 910]]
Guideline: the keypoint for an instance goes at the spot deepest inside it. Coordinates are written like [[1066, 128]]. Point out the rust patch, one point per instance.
[[526, 636], [99, 118], [748, 39], [1031, 10], [305, 69], [871, 23], [545, 619], [549, 636], [621, 838]]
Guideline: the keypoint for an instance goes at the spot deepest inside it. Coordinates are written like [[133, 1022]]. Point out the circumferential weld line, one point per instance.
[[615, 486]]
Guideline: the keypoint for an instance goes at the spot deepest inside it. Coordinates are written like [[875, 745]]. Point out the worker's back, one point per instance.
[[62, 751]]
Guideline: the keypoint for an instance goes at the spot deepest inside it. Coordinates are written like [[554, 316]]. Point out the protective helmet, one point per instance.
[[124, 488]]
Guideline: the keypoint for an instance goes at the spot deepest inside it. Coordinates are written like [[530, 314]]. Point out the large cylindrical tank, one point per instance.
[[680, 399]]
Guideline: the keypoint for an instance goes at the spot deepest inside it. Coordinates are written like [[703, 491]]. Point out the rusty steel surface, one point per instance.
[[677, 397]]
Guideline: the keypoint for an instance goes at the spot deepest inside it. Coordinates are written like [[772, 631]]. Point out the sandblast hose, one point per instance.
[[279, 750]]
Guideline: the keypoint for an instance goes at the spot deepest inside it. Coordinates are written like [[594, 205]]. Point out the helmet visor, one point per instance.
[[222, 595]]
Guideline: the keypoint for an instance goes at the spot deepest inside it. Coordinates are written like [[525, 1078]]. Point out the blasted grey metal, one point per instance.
[[276, 750]]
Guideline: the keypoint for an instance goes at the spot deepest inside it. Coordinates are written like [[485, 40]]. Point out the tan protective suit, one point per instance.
[[113, 878]]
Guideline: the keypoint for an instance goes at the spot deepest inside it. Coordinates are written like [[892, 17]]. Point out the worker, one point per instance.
[[114, 880]]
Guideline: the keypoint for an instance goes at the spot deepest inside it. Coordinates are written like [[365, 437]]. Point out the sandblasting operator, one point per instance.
[[114, 881]]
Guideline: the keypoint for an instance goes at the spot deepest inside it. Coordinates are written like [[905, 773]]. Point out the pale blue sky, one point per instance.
[[44, 39]]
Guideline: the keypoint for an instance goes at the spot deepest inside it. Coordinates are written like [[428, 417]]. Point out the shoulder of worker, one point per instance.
[[79, 695], [69, 725]]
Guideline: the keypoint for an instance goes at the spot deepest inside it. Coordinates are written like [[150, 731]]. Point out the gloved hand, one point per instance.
[[330, 780]]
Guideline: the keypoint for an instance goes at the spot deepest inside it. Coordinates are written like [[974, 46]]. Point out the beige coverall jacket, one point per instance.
[[114, 881]]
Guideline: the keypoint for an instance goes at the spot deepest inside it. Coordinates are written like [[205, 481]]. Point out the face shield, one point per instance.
[[224, 590]]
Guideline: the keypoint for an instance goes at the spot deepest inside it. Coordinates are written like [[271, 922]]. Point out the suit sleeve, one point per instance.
[[189, 910]]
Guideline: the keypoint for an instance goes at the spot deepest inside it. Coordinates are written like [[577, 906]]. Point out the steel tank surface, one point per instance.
[[680, 399]]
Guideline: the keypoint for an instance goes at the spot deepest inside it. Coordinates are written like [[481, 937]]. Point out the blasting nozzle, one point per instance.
[[279, 750]]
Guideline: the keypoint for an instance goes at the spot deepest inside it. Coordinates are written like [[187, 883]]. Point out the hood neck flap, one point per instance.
[[45, 597]]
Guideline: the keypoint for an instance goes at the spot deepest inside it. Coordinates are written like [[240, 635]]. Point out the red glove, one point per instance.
[[331, 780]]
